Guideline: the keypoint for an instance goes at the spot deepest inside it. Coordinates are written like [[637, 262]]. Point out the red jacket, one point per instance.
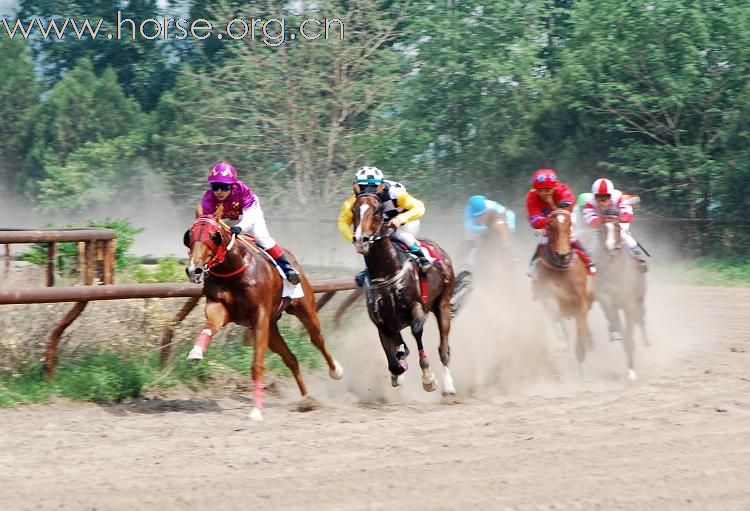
[[538, 209]]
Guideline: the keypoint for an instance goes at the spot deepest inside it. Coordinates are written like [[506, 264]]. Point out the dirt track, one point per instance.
[[526, 434]]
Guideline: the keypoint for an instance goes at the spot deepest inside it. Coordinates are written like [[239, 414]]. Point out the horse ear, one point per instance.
[[216, 238], [186, 238], [356, 188]]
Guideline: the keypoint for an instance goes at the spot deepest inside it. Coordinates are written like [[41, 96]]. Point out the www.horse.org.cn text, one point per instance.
[[271, 31]]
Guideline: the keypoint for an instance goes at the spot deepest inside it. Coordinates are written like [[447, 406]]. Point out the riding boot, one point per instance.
[[292, 275], [424, 264], [587, 260], [641, 258], [532, 271], [360, 278]]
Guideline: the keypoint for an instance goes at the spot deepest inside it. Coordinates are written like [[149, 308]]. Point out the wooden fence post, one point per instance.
[[51, 256]]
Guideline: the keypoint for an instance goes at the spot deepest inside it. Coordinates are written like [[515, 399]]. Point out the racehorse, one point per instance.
[[619, 287], [242, 285], [562, 281], [397, 296]]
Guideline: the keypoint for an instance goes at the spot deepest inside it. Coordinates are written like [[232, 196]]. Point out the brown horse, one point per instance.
[[620, 287], [562, 284], [398, 297], [244, 286]]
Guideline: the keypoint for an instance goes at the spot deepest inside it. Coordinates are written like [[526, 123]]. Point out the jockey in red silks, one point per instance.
[[607, 200], [546, 195], [239, 202]]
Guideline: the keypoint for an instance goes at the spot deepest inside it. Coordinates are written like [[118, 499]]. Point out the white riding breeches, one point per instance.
[[407, 233], [254, 222]]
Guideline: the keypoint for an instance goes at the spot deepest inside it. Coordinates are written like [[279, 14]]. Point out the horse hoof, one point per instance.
[[632, 376], [256, 415], [396, 381], [337, 372], [195, 355], [430, 383]]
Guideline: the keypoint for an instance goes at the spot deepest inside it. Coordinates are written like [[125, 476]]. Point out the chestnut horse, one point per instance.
[[620, 287], [398, 297], [244, 286], [562, 284]]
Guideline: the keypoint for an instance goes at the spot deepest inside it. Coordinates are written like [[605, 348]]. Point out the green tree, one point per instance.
[[18, 99]]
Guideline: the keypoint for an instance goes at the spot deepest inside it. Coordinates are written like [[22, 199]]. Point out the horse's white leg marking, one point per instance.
[[337, 372], [448, 388]]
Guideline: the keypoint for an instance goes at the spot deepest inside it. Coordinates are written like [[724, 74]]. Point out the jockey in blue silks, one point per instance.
[[475, 216]]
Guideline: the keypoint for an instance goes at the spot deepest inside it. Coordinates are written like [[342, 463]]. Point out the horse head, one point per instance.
[[558, 232], [208, 244], [497, 226], [367, 220], [609, 230]]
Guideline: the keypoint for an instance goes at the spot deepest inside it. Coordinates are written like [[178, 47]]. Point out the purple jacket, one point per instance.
[[240, 198]]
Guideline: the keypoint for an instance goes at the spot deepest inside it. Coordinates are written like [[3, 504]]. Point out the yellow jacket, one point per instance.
[[408, 207]]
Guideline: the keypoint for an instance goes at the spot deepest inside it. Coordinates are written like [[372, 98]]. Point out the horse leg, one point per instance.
[[629, 344], [583, 338], [305, 312], [443, 316], [612, 315], [216, 317], [396, 366], [279, 346], [262, 333], [429, 382]]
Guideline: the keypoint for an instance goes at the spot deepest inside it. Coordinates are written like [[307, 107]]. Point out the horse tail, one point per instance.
[[461, 290]]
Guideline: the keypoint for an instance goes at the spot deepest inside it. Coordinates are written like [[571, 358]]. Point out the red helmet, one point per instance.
[[602, 187], [222, 172], [544, 178]]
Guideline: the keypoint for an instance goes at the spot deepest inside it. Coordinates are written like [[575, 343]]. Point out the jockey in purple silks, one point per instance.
[[238, 202]]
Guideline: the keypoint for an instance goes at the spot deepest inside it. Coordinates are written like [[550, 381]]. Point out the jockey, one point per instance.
[[400, 209], [238, 201], [475, 213], [548, 194], [585, 233], [605, 200]]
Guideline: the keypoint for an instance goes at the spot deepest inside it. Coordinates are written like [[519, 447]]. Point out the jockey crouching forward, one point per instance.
[[475, 214], [237, 201], [607, 200], [400, 210], [546, 195]]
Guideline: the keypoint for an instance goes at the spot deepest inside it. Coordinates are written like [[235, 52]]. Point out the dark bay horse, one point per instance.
[[620, 288], [397, 297], [562, 284], [242, 285]]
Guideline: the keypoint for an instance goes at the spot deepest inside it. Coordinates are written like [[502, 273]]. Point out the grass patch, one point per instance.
[[712, 272], [112, 377]]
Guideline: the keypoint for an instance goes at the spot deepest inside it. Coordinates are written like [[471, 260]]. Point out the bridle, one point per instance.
[[218, 252], [378, 232]]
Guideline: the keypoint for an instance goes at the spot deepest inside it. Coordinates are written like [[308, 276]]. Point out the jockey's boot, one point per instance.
[[424, 264], [532, 271], [292, 275], [640, 257], [360, 278], [590, 267]]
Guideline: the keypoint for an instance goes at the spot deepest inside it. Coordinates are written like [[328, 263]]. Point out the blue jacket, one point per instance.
[[471, 224]]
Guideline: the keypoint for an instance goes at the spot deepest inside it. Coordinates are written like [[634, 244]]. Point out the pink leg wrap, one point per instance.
[[275, 251], [258, 397], [203, 339]]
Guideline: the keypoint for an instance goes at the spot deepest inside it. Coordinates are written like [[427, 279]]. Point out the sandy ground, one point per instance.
[[524, 433]]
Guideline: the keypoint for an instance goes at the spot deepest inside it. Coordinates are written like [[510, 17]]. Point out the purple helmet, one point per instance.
[[222, 172]]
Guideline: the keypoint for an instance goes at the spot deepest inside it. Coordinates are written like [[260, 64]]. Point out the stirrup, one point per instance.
[[424, 264]]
